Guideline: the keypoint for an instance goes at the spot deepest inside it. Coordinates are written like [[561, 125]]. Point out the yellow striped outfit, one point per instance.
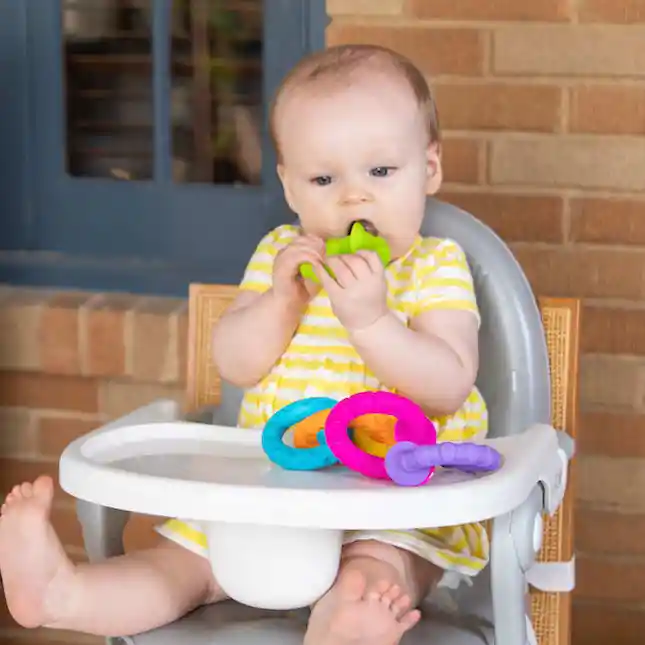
[[320, 361]]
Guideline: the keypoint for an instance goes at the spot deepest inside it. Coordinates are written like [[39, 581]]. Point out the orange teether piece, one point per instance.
[[373, 433]]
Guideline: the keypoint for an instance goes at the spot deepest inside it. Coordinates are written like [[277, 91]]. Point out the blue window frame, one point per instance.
[[143, 236]]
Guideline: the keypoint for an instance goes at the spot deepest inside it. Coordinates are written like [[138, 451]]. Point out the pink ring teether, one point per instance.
[[412, 425]]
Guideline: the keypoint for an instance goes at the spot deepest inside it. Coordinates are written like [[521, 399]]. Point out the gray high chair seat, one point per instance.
[[514, 379]]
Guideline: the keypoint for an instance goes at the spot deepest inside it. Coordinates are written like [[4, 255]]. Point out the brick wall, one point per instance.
[[68, 362], [543, 107]]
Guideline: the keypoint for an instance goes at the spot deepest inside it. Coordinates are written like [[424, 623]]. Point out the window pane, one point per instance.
[[108, 64], [217, 90]]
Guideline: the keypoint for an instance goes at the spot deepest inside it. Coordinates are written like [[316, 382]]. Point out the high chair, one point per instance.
[[153, 462]]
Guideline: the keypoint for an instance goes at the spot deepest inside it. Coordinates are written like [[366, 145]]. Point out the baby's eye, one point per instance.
[[382, 171], [323, 180]]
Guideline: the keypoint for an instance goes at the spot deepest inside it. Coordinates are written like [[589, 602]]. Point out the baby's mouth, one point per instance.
[[368, 226]]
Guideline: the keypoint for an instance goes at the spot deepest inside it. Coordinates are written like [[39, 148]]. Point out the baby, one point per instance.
[[357, 137]]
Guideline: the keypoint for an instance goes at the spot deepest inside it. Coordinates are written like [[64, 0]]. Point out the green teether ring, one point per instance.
[[358, 240]]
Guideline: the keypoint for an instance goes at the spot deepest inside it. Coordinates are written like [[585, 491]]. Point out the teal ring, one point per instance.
[[291, 458]]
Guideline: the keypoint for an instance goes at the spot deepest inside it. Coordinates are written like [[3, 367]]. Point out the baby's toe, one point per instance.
[[378, 590], [26, 489], [409, 620], [400, 605], [391, 595]]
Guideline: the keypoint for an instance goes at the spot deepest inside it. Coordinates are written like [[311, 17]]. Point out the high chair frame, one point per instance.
[[550, 603]]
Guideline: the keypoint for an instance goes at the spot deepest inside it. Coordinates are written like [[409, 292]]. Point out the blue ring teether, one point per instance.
[[291, 458]]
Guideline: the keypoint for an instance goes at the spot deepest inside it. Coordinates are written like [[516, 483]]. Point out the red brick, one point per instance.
[[16, 471], [67, 527], [155, 340], [610, 579], [599, 624], [59, 334], [543, 10], [612, 11], [612, 381], [608, 221], [106, 334], [558, 50], [21, 313], [611, 109], [139, 532], [584, 273], [547, 161], [435, 51], [118, 398], [612, 434], [498, 106], [23, 389], [515, 218], [55, 433], [17, 436], [606, 533], [460, 159], [613, 330]]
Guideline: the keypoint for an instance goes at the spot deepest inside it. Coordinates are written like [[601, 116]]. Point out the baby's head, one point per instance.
[[357, 137]]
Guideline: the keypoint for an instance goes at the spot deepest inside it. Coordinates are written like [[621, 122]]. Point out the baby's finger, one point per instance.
[[298, 254], [299, 250], [311, 242], [327, 282], [359, 264], [315, 242], [342, 270], [372, 260]]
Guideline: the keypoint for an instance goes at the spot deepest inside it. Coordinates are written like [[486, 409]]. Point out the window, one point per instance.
[[141, 154]]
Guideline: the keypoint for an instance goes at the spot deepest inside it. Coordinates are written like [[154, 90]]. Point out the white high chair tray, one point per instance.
[[220, 474]]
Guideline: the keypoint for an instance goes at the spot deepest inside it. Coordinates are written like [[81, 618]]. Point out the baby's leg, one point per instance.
[[124, 595], [374, 598]]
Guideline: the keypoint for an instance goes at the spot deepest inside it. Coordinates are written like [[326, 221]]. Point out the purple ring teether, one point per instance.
[[408, 464]]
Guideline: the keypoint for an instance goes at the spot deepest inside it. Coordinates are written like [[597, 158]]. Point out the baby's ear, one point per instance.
[[434, 168], [284, 179]]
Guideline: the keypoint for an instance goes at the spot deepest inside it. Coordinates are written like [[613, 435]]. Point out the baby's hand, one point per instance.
[[358, 295], [288, 284]]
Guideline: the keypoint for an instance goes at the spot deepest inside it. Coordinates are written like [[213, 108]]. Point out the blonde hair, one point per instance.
[[340, 63]]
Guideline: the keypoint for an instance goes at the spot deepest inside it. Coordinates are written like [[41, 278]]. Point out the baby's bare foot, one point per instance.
[[354, 614], [37, 575]]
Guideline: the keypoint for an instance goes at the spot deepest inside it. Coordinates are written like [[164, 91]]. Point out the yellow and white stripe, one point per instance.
[[320, 361]]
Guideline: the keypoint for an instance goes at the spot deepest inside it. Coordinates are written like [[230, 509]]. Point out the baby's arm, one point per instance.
[[434, 362], [251, 335], [256, 330]]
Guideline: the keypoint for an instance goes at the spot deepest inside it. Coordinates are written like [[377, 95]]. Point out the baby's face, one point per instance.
[[359, 152]]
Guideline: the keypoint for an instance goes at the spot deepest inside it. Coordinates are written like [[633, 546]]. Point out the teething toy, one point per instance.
[[372, 433], [412, 425], [352, 432], [408, 464], [296, 458], [357, 240], [307, 431]]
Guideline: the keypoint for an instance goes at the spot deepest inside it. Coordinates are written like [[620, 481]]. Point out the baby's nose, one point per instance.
[[355, 192]]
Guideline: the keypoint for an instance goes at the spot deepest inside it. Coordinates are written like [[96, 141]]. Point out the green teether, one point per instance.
[[357, 240]]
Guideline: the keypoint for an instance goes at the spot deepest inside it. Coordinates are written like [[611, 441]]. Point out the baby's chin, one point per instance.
[[400, 246]]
